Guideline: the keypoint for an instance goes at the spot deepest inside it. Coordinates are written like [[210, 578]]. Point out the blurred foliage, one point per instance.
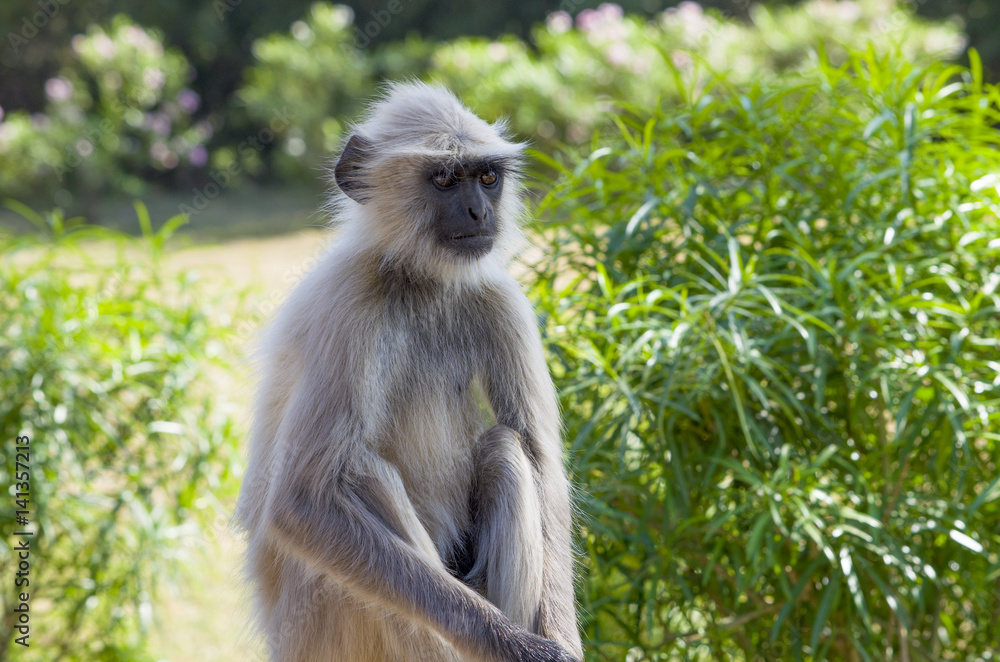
[[981, 21], [306, 81], [104, 364], [772, 312], [118, 114], [557, 89], [560, 88], [217, 37], [303, 75], [124, 111], [222, 43]]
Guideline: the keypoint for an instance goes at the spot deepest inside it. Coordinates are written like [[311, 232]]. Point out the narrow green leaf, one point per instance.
[[830, 598]]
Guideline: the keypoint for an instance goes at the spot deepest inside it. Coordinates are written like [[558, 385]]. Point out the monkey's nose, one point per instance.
[[473, 214]]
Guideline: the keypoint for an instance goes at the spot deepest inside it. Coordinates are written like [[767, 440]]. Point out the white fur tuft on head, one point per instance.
[[431, 119]]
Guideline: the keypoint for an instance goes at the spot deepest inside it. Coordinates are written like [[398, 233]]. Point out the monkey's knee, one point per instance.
[[499, 435], [500, 461]]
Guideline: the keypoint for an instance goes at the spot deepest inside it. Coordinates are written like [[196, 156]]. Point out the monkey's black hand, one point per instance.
[[540, 649]]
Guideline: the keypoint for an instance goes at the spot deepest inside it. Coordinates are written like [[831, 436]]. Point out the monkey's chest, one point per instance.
[[437, 418]]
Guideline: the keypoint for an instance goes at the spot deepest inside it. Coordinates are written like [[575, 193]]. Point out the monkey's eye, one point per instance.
[[488, 178], [443, 180]]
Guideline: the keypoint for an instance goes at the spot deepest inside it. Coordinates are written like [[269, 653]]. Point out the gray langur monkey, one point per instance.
[[405, 498]]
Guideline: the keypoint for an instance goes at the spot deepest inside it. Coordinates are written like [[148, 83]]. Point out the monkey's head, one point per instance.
[[429, 183]]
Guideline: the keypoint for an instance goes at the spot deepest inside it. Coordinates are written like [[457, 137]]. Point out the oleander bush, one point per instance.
[[298, 79], [105, 364], [311, 79], [118, 115], [557, 86], [772, 311], [122, 114]]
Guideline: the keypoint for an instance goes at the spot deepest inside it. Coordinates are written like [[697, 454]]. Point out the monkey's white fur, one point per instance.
[[370, 439]]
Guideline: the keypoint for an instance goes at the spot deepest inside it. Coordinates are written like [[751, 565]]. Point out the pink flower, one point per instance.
[[101, 43], [497, 52], [198, 156], [681, 59], [58, 89], [588, 20], [163, 155], [158, 123], [610, 12], [153, 78], [559, 22], [604, 23], [618, 53], [204, 129], [188, 100]]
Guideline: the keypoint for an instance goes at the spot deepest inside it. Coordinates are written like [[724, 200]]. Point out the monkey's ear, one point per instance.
[[349, 171]]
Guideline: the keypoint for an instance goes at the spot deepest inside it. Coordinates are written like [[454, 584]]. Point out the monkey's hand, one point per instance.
[[540, 649]]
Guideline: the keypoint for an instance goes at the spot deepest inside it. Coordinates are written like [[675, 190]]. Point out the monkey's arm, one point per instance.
[[338, 509], [522, 396]]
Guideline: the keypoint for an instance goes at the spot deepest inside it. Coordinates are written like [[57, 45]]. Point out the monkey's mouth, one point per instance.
[[471, 244]]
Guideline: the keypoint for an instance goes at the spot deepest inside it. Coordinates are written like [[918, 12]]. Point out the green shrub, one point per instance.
[[104, 367], [773, 315]]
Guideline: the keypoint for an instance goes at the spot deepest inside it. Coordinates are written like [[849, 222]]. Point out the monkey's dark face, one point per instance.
[[452, 202], [462, 201]]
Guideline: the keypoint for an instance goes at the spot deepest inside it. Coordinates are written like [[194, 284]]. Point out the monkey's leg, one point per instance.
[[507, 540], [519, 390]]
